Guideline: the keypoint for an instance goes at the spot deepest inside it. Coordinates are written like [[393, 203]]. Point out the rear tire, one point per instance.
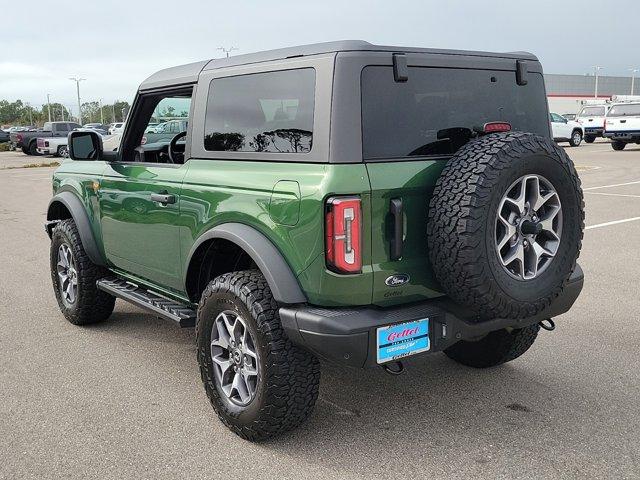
[[576, 139], [589, 138], [25, 150], [84, 303], [284, 391], [33, 148], [494, 349], [618, 145]]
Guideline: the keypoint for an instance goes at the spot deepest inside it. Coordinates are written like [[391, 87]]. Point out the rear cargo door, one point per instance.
[[409, 132]]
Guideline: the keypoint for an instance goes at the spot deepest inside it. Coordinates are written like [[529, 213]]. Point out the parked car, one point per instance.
[[623, 124], [56, 146], [27, 140], [566, 130], [569, 116], [151, 128], [97, 126], [349, 201], [591, 117], [4, 136], [166, 131], [117, 127]]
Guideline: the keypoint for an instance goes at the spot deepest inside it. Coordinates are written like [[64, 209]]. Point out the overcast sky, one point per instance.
[[115, 44]]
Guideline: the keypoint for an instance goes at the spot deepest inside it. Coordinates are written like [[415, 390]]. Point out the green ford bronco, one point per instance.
[[345, 201]]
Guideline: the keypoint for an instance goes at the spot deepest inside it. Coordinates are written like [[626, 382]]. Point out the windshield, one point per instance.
[[437, 109], [592, 112], [624, 110]]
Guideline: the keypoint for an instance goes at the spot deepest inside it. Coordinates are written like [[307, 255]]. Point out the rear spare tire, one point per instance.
[[505, 224]]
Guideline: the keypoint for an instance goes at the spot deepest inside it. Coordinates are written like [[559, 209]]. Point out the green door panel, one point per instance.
[[284, 207], [141, 236], [413, 183]]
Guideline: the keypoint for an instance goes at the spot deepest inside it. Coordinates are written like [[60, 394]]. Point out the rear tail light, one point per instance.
[[493, 127], [40, 142], [343, 224], [19, 137]]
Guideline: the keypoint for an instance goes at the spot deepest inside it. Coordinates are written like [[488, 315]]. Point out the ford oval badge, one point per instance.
[[397, 280]]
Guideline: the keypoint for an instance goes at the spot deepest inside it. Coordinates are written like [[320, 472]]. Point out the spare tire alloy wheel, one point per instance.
[[505, 225], [528, 227], [235, 358]]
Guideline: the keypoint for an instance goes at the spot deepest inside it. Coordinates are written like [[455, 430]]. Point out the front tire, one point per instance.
[[589, 138], [258, 382], [618, 145], [74, 277], [62, 151], [494, 349]]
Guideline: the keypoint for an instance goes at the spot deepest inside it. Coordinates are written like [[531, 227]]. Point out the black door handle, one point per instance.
[[397, 240], [163, 198]]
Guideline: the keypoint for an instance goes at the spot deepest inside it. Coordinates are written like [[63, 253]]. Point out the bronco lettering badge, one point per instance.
[[397, 280]]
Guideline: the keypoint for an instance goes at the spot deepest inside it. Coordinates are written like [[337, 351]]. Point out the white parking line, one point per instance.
[[613, 194], [614, 185], [615, 222]]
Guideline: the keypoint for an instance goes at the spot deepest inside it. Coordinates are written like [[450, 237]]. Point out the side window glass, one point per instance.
[[263, 112]]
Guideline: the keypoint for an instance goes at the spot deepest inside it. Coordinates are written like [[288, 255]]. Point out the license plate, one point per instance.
[[401, 340]]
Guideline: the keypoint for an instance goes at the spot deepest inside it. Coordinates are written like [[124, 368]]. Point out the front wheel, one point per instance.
[[258, 382], [618, 145], [576, 139], [589, 138], [494, 349], [74, 278]]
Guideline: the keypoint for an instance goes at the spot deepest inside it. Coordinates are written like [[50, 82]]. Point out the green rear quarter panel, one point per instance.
[[284, 201]]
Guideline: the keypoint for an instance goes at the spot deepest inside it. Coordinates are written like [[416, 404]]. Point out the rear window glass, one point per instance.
[[263, 112], [592, 112], [623, 110], [435, 111]]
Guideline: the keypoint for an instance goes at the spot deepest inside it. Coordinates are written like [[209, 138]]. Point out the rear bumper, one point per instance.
[[348, 336], [633, 135], [595, 131]]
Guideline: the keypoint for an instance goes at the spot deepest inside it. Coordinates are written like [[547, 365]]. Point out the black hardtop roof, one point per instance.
[[188, 73]]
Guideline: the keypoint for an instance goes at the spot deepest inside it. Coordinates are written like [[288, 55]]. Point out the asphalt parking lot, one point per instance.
[[124, 400]]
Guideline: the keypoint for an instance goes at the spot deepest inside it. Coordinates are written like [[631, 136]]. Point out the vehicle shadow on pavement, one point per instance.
[[436, 408]]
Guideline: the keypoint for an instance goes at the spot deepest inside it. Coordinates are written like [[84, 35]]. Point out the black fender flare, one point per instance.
[[282, 282], [81, 219]]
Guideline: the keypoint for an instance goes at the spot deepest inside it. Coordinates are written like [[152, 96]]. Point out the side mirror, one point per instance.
[[84, 146]]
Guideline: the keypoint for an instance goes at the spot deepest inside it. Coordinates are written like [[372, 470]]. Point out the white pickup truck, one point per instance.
[[622, 124], [591, 117], [56, 146]]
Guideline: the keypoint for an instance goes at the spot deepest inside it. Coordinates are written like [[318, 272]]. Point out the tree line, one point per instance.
[[21, 113]]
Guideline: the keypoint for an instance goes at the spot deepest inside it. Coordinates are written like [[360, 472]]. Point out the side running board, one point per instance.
[[154, 302]]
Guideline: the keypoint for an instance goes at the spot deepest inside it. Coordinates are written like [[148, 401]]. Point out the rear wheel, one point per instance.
[[576, 138], [33, 148], [495, 348], [618, 145], [589, 138], [258, 382], [25, 150]]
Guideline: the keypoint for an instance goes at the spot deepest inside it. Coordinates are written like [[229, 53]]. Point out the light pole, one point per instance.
[[633, 77], [49, 106], [228, 50], [101, 114], [597, 69], [30, 115], [78, 80], [113, 109]]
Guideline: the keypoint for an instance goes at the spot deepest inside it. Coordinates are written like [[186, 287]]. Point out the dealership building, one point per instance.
[[567, 93]]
